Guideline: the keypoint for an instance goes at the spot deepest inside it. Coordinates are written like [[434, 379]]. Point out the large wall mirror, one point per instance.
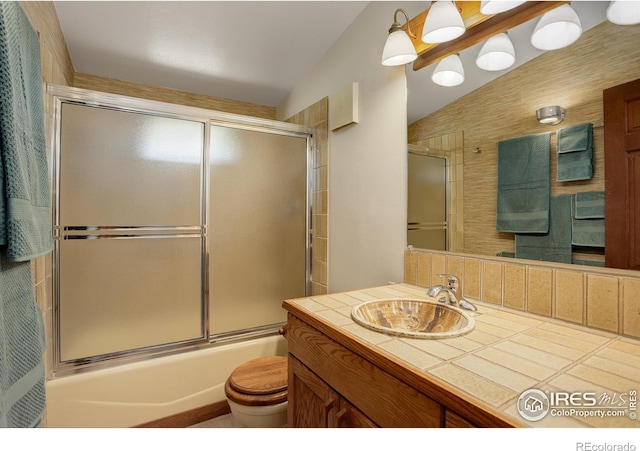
[[575, 77]]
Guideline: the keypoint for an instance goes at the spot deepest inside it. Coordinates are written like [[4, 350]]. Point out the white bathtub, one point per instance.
[[136, 393]]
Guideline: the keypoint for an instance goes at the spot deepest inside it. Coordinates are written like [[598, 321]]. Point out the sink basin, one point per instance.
[[415, 318]]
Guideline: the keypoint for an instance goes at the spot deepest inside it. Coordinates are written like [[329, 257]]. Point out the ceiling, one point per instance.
[[251, 51]]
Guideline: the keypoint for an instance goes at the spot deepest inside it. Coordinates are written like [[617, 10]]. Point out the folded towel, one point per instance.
[[554, 246], [586, 232], [589, 205], [25, 216], [575, 153], [523, 184], [22, 392], [588, 263]]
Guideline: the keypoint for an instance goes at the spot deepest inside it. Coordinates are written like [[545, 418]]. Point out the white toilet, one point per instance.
[[257, 392]]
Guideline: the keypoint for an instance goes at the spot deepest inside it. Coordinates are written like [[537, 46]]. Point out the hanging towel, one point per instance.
[[575, 153], [554, 246], [586, 232], [589, 205], [523, 184], [22, 392], [25, 215], [25, 219]]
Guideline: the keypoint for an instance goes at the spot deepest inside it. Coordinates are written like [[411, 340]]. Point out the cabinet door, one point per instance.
[[350, 417], [453, 420], [312, 403]]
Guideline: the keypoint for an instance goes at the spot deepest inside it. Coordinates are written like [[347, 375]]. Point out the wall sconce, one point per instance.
[[497, 53], [443, 23], [449, 71], [398, 49], [550, 115], [556, 29], [624, 12]]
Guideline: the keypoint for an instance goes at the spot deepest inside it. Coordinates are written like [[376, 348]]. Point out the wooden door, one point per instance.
[[622, 175]]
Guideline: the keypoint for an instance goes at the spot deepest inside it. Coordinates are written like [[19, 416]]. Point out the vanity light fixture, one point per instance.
[[443, 23], [556, 29], [624, 12], [550, 115], [449, 71], [498, 6], [399, 49], [497, 53]]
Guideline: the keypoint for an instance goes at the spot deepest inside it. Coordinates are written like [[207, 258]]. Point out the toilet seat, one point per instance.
[[259, 382]]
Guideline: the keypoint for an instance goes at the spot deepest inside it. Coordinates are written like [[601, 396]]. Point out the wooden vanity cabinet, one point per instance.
[[313, 404], [331, 386]]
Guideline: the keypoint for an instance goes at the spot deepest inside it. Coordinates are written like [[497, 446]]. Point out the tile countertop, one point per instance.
[[507, 353]]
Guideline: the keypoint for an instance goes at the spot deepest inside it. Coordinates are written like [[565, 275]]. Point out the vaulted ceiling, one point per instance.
[[252, 51]]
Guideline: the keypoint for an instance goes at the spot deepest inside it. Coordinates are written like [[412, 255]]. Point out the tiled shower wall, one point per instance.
[[317, 116], [602, 298], [56, 69]]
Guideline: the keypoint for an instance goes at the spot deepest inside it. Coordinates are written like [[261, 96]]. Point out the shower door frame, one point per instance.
[[77, 96]]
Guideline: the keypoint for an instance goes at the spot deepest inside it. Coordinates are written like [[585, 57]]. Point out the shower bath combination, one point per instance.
[[175, 227]]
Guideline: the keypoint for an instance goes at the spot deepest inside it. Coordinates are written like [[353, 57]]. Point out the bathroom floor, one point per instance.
[[223, 421]]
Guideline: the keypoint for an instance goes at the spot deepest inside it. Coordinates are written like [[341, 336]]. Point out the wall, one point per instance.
[[574, 78], [317, 117], [367, 161], [126, 88], [606, 299]]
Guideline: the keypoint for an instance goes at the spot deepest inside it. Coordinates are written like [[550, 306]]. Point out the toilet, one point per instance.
[[257, 392]]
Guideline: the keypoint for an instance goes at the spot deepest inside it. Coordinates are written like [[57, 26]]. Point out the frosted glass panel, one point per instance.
[[427, 239], [257, 240], [427, 189], [122, 168], [121, 294]]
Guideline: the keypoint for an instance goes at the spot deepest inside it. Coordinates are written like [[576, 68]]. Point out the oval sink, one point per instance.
[[415, 318]]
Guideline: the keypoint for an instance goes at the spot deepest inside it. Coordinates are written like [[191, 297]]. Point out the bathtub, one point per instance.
[[133, 394]]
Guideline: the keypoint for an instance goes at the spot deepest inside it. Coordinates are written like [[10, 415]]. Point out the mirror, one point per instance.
[[573, 78]]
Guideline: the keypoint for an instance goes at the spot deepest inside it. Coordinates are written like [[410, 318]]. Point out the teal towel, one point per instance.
[[588, 263], [523, 184], [25, 220], [589, 205], [575, 153], [22, 392], [586, 232], [554, 246], [25, 215]]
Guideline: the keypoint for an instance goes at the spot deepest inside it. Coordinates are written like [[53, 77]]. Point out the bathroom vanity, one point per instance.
[[344, 375]]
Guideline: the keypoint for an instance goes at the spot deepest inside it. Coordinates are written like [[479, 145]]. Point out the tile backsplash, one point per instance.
[[600, 298]]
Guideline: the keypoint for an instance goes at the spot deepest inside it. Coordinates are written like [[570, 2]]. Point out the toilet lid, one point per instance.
[[261, 376]]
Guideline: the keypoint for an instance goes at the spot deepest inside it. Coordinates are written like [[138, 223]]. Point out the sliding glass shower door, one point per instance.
[[174, 227], [130, 231], [258, 226]]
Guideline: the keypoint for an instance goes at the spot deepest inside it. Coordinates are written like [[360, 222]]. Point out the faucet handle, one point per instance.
[[452, 281]]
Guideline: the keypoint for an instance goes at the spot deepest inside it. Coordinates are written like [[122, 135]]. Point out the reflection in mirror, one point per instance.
[[503, 109], [427, 201]]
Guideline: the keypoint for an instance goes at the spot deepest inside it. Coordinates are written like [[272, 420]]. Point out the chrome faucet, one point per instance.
[[449, 292]]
